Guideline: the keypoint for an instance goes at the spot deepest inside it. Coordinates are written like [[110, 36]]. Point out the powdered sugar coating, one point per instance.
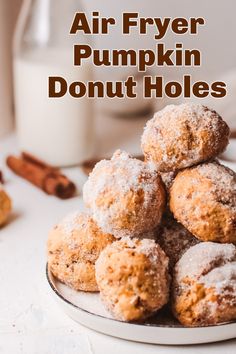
[[132, 277], [126, 196], [204, 285], [147, 247], [222, 279], [180, 136], [128, 174], [168, 178], [223, 182], [200, 259], [70, 223]]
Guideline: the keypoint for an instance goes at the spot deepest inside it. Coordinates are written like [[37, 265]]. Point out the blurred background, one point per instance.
[[34, 44], [68, 131]]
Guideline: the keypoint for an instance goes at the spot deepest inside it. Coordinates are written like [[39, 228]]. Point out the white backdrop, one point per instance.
[[216, 40]]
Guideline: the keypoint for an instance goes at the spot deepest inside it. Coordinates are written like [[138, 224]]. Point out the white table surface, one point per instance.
[[30, 321]]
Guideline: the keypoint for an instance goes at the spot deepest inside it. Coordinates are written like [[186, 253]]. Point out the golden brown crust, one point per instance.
[[73, 247], [204, 285], [5, 206], [203, 199], [180, 136], [133, 279], [192, 307]]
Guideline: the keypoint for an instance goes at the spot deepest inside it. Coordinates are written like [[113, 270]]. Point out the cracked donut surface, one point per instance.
[[204, 285], [183, 135], [132, 277], [73, 247], [203, 199]]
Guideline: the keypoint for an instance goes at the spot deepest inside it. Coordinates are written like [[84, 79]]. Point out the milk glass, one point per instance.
[[58, 131]]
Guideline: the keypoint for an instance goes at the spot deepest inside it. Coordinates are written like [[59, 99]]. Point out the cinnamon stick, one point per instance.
[[34, 160], [233, 134], [1, 177], [47, 178], [88, 165]]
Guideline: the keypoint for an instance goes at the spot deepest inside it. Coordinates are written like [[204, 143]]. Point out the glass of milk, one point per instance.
[[59, 131]]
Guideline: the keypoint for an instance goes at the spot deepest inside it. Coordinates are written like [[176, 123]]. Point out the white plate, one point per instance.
[[87, 309]]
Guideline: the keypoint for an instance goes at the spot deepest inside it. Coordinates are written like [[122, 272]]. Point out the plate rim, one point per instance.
[[180, 327]]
